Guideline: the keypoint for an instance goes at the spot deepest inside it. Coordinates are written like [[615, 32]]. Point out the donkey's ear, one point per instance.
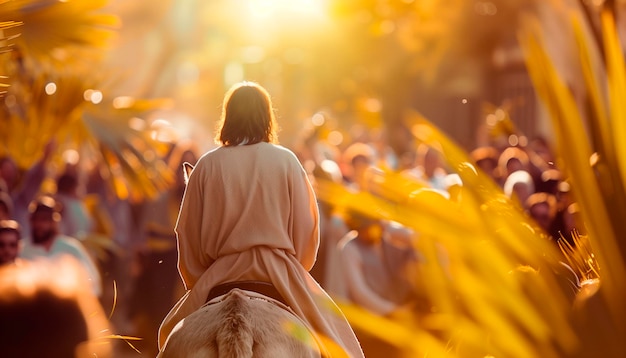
[[187, 169]]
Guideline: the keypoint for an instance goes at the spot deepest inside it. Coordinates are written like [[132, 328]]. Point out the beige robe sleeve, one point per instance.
[[304, 227], [192, 258]]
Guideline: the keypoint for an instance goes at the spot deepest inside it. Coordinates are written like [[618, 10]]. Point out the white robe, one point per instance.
[[249, 213], [65, 245]]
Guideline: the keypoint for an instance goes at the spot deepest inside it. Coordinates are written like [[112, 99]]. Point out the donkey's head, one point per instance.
[[187, 169]]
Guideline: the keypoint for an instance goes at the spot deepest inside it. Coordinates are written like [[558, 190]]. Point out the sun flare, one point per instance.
[[271, 8]]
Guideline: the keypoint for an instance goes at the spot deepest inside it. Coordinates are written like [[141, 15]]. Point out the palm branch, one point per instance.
[[488, 298], [594, 154], [51, 30], [48, 100]]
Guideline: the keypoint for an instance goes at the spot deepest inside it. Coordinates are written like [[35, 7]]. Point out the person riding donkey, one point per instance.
[[249, 220]]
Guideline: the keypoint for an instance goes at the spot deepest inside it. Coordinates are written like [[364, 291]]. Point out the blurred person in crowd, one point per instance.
[[407, 160], [519, 185], [357, 159], [486, 158], [24, 186], [540, 147], [549, 181], [249, 219], [511, 159], [572, 223], [115, 223], [374, 269], [10, 237], [46, 310], [542, 208], [429, 168], [332, 227], [76, 220], [157, 285], [6, 206], [386, 156], [311, 146], [45, 240]]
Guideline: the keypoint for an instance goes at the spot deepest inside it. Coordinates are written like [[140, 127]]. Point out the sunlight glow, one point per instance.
[[268, 8]]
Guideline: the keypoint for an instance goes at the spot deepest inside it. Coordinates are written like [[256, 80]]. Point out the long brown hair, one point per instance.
[[247, 116]]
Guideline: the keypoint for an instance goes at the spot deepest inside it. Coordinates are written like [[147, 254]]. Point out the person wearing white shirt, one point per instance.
[[46, 242]]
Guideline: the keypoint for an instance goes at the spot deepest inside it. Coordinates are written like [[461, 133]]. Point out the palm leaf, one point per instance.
[[473, 249], [599, 188], [101, 131], [52, 27]]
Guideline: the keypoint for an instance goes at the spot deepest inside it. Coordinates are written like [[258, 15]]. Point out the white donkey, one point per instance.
[[241, 324]]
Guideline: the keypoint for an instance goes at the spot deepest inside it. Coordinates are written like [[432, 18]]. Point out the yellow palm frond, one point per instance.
[[594, 160], [593, 154], [475, 249], [580, 256], [50, 28], [44, 106]]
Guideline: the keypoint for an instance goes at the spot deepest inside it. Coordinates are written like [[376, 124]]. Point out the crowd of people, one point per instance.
[[366, 261], [362, 259]]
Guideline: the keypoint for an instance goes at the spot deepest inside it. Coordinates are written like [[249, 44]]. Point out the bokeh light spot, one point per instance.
[[71, 157], [123, 102], [96, 97], [335, 138], [51, 88], [87, 94], [318, 119], [137, 124]]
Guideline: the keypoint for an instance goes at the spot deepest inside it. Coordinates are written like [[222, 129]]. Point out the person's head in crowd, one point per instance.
[[9, 241], [564, 194], [369, 228], [359, 157], [486, 158], [572, 220], [431, 160], [47, 311], [247, 116], [67, 184], [6, 206], [549, 181], [327, 171], [519, 186], [512, 159], [407, 160], [45, 214], [541, 147], [542, 208]]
